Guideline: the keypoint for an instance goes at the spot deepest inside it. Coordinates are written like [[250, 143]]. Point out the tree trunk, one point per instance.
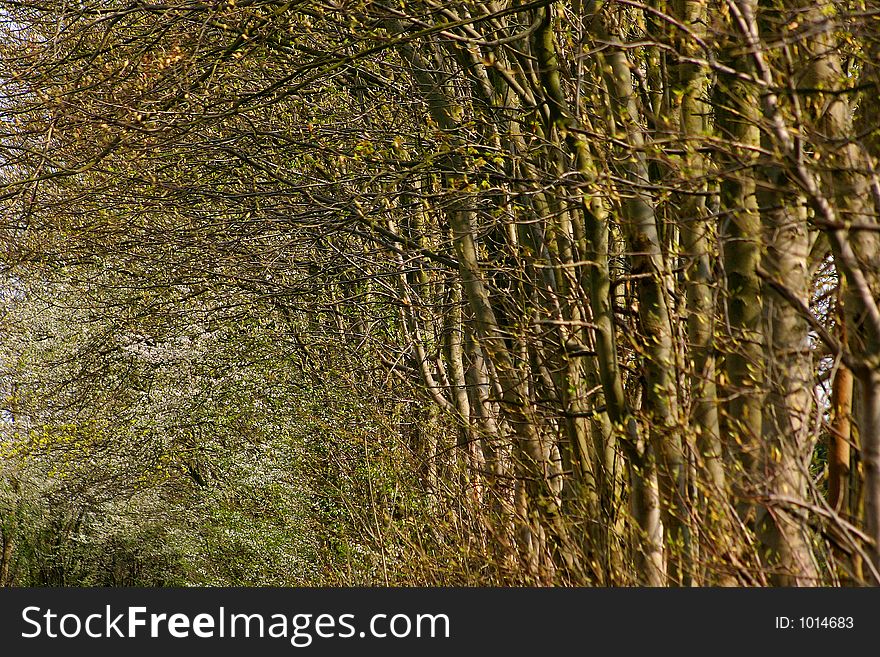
[[736, 120], [698, 239], [840, 438], [787, 419]]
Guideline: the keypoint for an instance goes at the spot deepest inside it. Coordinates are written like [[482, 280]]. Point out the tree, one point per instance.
[[597, 239]]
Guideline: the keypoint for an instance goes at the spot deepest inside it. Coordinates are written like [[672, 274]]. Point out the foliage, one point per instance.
[[517, 293]]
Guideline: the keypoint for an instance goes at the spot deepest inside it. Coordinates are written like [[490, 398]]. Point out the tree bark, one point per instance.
[[736, 118], [840, 434]]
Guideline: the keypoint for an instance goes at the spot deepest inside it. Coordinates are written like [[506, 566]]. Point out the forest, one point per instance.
[[429, 293]]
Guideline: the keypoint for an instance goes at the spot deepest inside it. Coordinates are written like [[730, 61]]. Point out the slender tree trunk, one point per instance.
[[736, 119], [698, 238], [787, 419], [454, 352], [698, 242], [648, 264], [840, 438]]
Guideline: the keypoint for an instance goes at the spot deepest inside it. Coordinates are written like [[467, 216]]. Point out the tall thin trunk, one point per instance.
[[453, 339], [643, 237], [840, 438], [698, 237], [787, 426], [736, 119], [698, 242]]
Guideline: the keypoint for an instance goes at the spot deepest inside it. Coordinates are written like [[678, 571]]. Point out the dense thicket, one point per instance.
[[428, 292]]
